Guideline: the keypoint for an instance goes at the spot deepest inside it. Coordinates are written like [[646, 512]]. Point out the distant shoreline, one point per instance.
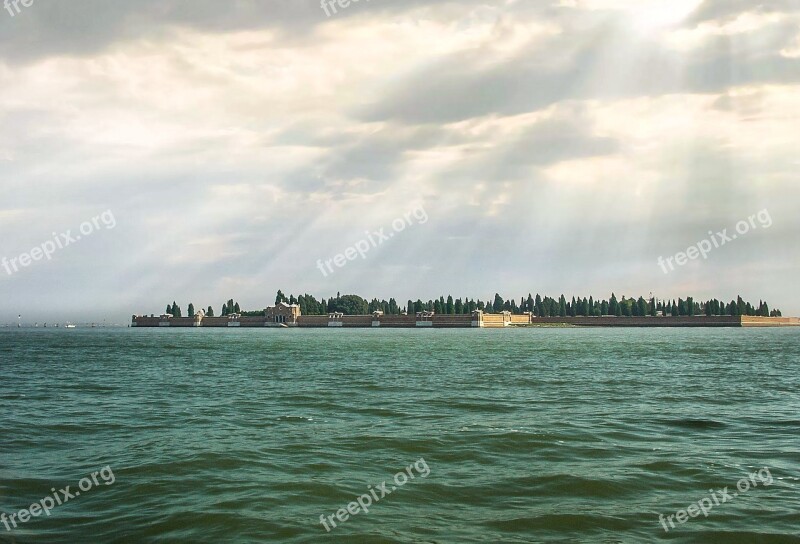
[[292, 319]]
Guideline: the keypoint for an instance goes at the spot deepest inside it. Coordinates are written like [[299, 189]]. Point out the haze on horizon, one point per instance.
[[555, 146]]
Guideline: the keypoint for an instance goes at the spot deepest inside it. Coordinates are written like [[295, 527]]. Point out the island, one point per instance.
[[354, 311]]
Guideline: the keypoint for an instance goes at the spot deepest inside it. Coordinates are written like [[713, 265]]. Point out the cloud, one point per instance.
[[606, 61], [725, 10], [560, 146]]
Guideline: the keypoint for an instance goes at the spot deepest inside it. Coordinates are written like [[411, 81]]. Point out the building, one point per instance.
[[283, 314]]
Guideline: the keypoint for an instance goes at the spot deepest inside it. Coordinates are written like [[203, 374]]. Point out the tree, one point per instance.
[[280, 297], [613, 305], [410, 307], [351, 305], [562, 306], [497, 307], [168, 311], [641, 307], [625, 307], [176, 310], [237, 309], [210, 312], [190, 311], [449, 306]]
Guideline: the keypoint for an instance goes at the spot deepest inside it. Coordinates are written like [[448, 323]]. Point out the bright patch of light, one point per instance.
[[655, 14], [645, 15], [793, 51]]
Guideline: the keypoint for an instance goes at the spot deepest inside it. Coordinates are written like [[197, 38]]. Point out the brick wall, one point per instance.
[[215, 321], [493, 320], [452, 321], [145, 321], [608, 321], [357, 321], [312, 321], [394, 321], [748, 321], [489, 321], [251, 321], [181, 322]]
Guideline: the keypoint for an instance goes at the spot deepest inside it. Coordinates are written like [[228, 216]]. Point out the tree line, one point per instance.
[[538, 306]]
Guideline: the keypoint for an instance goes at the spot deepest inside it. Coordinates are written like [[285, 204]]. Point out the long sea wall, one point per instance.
[[478, 320], [681, 321]]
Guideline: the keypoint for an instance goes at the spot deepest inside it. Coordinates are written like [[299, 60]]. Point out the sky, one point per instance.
[[197, 150]]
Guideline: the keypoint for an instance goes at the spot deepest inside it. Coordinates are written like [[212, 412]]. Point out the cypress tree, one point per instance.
[[498, 303], [613, 305]]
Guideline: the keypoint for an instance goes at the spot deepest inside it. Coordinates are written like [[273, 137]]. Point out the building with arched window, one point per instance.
[[283, 314]]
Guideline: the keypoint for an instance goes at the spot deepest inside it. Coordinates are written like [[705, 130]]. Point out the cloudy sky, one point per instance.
[[554, 146]]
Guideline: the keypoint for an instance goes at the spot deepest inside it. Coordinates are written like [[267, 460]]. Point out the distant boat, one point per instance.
[[69, 326]]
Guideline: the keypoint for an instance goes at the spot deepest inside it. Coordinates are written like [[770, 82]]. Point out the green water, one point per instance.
[[544, 435]]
